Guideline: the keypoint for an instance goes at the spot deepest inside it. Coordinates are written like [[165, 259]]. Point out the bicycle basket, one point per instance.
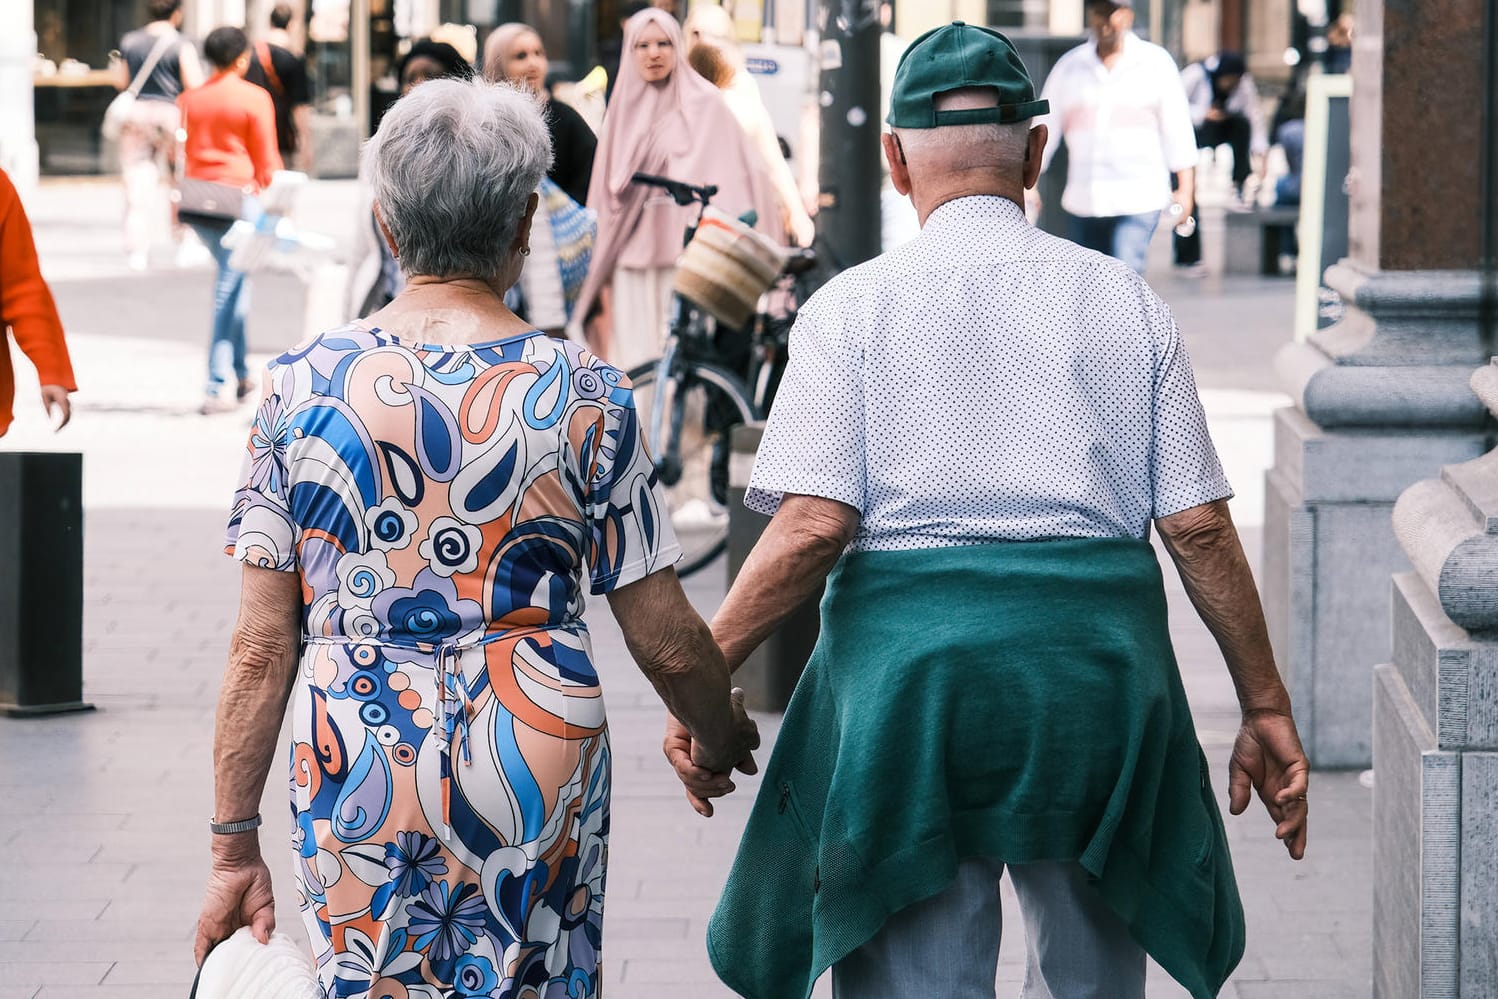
[[726, 267]]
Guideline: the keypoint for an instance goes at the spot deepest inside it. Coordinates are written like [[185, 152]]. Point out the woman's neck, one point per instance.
[[449, 311]]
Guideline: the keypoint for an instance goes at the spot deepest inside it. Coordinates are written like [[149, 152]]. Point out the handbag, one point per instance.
[[575, 229], [207, 201], [242, 968], [123, 104]]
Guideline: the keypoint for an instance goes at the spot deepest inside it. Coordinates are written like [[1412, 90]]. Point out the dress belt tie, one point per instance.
[[454, 705]]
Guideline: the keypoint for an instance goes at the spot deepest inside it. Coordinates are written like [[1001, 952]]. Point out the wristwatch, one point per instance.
[[230, 828]]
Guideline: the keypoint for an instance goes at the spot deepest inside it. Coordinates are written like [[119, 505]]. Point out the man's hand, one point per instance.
[[696, 771], [1216, 114], [238, 894], [1268, 757], [55, 396]]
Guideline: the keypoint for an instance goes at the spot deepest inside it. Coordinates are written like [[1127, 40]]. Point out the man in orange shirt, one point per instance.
[[230, 128], [26, 307]]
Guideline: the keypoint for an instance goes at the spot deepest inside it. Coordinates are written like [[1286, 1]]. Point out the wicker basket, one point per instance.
[[726, 267]]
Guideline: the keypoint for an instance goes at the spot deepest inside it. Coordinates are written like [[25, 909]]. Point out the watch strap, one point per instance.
[[230, 828]]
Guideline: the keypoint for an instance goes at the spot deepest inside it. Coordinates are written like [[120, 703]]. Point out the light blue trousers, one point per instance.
[[948, 945]]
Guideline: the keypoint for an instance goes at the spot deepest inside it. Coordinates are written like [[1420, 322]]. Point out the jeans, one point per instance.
[[1126, 237], [231, 303], [1237, 133], [948, 945]]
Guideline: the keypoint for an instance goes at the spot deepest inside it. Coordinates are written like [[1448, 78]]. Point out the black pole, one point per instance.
[[848, 213]]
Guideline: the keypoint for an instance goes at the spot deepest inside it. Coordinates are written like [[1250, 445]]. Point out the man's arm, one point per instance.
[[1267, 756], [27, 307], [789, 563], [189, 66]]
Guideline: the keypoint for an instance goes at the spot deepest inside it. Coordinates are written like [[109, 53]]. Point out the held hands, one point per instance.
[[706, 772], [238, 894], [1268, 757]]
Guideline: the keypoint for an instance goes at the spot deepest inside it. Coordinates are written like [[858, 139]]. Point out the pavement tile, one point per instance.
[[18, 991], [17, 973], [112, 992], [51, 907], [169, 969], [14, 929]]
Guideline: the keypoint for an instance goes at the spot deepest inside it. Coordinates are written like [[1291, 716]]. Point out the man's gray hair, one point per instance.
[[452, 166], [965, 147]]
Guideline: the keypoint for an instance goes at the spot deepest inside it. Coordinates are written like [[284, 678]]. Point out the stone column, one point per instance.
[[1381, 399], [1435, 741]]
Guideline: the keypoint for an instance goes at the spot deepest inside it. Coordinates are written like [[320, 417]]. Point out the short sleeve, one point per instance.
[[814, 441], [630, 522], [1184, 468], [261, 530]]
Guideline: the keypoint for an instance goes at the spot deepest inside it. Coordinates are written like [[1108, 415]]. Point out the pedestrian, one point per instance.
[[374, 277], [417, 590], [1117, 101], [712, 43], [562, 247], [26, 307], [975, 433], [514, 52], [1225, 110], [229, 129], [283, 74], [611, 49], [664, 120], [164, 64]]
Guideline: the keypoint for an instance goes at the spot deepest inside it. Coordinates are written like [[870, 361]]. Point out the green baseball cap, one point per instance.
[[955, 56]]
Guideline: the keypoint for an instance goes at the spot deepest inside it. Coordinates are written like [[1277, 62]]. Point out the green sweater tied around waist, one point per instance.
[[1016, 700]]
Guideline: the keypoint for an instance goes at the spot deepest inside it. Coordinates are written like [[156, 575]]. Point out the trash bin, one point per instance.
[[41, 583], [770, 673]]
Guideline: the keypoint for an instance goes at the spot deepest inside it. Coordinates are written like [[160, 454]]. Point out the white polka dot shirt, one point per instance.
[[988, 382]]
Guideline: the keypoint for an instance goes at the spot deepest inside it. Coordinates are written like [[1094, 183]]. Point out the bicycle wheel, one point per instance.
[[699, 410]]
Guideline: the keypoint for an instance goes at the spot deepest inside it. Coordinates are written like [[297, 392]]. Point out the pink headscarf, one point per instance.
[[681, 129]]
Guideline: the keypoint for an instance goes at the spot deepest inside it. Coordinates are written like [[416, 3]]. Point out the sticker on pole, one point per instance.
[[832, 54]]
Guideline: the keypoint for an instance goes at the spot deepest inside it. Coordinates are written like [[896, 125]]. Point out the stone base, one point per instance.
[[1329, 549], [1435, 911]]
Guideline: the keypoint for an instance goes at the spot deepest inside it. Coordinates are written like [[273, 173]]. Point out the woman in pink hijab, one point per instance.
[[663, 119]]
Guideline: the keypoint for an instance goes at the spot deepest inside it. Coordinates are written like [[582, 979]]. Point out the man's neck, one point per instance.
[[1109, 55], [279, 37], [925, 206]]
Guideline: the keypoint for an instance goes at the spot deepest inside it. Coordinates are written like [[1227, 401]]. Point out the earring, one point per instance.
[[525, 251]]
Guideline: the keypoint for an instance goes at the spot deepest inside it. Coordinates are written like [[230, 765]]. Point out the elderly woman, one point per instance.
[[374, 278], [663, 119], [426, 499]]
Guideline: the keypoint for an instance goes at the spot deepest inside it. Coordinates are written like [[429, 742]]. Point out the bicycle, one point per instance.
[[690, 399]]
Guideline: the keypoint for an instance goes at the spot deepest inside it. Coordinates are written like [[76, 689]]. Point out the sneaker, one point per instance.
[[244, 389], [218, 404], [138, 261], [192, 253], [1196, 270]]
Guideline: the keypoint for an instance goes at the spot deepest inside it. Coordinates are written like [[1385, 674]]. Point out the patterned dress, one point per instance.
[[450, 759]]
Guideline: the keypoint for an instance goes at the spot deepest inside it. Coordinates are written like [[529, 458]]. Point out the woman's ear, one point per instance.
[[522, 242], [384, 229]]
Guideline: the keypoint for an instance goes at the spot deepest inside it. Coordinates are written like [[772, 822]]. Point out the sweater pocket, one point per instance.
[[760, 935]]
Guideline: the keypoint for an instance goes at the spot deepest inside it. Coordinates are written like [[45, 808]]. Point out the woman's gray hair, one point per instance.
[[452, 166]]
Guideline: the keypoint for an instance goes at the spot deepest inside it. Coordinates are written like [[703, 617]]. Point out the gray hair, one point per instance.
[[452, 167], [964, 147]]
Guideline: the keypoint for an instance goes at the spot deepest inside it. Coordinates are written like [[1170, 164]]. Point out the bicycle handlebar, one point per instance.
[[681, 192]]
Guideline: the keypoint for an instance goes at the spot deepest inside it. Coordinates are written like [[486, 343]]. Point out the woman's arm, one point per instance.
[[252, 700], [675, 650]]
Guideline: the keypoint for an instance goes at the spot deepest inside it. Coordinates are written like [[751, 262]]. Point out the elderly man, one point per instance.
[[977, 430]]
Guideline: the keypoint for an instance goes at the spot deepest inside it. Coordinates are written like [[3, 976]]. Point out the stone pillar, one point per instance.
[[18, 152], [1435, 741], [1381, 399]]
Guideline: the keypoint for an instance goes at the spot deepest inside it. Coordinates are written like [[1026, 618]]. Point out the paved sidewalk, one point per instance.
[[101, 815]]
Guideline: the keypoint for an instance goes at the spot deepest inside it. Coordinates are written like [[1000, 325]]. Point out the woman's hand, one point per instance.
[[238, 894], [695, 769]]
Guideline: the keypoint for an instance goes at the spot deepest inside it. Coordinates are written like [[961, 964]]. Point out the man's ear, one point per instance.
[[1034, 151], [899, 170], [385, 232]]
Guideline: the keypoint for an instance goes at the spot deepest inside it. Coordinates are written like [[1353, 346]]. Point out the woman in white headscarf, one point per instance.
[[667, 120]]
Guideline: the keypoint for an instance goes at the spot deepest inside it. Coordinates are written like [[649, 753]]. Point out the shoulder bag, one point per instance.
[[119, 109]]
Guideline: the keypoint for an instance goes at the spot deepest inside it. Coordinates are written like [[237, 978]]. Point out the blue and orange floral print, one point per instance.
[[450, 758]]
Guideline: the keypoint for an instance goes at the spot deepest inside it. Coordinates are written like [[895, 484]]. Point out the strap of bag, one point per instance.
[[158, 52], [262, 53]]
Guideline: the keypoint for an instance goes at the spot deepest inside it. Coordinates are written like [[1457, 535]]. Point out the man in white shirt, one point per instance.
[[981, 397], [1118, 102]]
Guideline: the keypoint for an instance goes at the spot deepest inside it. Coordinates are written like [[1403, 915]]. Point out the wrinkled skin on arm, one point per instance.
[[1267, 755], [789, 564], [675, 650], [252, 701]]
